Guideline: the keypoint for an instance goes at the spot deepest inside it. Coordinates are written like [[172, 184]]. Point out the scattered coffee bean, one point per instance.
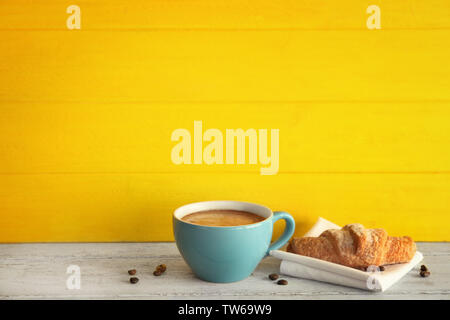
[[134, 280], [382, 268], [282, 282], [157, 273], [425, 274], [132, 272], [273, 276], [161, 268], [423, 268]]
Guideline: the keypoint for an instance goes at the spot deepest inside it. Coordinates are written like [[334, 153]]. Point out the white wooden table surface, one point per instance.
[[38, 271]]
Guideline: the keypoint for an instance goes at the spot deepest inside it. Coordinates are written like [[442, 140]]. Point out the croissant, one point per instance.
[[356, 247]]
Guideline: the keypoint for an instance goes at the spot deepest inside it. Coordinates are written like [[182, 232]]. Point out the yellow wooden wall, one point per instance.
[[86, 115]]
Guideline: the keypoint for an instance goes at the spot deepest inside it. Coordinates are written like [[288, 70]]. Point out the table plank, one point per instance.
[[38, 271], [226, 66], [138, 207], [222, 14]]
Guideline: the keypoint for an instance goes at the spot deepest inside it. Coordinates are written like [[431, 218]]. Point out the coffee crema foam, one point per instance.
[[222, 218]]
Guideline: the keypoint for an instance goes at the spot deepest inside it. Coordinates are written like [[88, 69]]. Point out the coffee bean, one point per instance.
[[425, 274], [282, 282], [162, 268], [157, 273], [423, 268], [382, 268], [273, 276], [132, 272], [134, 280]]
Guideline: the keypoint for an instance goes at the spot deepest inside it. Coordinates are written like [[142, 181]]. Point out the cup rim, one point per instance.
[[245, 203]]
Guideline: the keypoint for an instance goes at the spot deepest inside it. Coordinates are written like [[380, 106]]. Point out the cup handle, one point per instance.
[[288, 230]]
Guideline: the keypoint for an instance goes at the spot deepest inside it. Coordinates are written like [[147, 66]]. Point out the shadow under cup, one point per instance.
[[227, 254]]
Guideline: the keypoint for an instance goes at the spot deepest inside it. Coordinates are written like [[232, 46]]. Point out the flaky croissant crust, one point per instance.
[[355, 246]]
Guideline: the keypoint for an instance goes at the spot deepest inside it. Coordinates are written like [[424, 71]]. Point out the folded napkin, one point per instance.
[[315, 269]]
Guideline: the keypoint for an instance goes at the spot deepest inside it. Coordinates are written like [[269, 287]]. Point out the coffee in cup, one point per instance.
[[223, 241], [222, 218]]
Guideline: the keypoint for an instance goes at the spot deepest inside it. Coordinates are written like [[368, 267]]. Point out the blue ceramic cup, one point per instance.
[[227, 254]]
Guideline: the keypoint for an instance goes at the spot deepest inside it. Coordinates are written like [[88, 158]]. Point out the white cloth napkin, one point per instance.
[[315, 269]]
